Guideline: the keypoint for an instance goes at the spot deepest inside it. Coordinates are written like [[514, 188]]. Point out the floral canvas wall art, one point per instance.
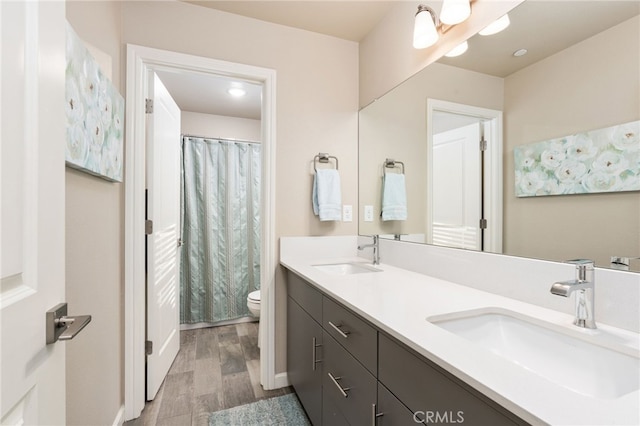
[[95, 115], [603, 160]]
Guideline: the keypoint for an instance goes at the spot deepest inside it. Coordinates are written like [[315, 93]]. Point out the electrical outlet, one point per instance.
[[347, 213], [368, 213]]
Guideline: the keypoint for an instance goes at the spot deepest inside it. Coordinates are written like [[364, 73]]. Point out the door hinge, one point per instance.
[[483, 223], [148, 347], [148, 227], [483, 144], [148, 106]]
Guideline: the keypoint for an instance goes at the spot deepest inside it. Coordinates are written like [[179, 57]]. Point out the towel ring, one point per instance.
[[323, 157], [390, 163]]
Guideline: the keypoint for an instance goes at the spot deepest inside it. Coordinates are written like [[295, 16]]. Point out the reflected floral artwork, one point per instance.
[[95, 115], [603, 160]]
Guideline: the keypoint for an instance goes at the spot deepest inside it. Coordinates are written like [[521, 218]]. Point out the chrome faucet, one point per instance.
[[584, 286], [376, 249]]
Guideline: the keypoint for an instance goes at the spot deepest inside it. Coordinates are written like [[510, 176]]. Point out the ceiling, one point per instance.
[[349, 20], [207, 94], [543, 27]]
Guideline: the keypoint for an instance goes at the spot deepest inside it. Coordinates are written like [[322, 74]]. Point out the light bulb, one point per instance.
[[424, 30], [496, 26], [455, 11], [237, 91], [458, 50]]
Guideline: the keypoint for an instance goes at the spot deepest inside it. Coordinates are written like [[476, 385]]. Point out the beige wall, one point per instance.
[[394, 127], [317, 103], [94, 253], [218, 126], [589, 86], [387, 56]]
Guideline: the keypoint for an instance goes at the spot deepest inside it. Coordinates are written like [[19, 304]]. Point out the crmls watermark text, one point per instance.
[[438, 417]]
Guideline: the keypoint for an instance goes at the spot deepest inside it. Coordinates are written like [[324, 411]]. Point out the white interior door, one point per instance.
[[163, 208], [32, 211], [457, 188]]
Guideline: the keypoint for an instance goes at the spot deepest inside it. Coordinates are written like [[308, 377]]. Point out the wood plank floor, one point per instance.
[[216, 368]]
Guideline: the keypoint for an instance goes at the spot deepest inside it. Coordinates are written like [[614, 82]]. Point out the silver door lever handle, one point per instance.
[[62, 327]]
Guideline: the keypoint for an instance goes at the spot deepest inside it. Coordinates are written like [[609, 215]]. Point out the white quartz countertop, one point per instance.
[[398, 302]]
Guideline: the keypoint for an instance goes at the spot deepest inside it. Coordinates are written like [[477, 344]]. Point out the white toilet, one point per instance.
[[253, 303]]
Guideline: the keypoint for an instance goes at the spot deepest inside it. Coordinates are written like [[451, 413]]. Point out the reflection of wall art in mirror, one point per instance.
[[603, 160], [95, 115]]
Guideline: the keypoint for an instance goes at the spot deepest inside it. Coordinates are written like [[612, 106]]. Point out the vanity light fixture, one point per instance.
[[425, 32], [455, 11], [427, 27], [496, 26], [458, 50]]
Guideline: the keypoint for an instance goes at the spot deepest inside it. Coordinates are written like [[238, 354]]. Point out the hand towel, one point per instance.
[[394, 197], [327, 198]]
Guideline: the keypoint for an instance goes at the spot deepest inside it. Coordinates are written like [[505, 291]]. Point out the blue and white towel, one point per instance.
[[327, 198], [394, 197]]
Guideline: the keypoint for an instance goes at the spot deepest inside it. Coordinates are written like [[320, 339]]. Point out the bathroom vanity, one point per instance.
[[387, 346], [347, 371]]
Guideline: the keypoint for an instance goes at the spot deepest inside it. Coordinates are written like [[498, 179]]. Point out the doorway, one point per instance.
[[140, 62], [464, 176]]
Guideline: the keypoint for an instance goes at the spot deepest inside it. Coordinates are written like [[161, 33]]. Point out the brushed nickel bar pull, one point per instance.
[[344, 334], [314, 360], [343, 391], [374, 415]]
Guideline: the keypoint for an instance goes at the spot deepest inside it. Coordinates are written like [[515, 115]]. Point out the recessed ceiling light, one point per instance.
[[237, 92], [520, 52]]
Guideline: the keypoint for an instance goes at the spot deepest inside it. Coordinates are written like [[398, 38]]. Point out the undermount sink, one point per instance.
[[346, 268], [572, 362]]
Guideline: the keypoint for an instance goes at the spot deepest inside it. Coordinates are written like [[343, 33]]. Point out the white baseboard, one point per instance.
[[119, 420], [281, 380]]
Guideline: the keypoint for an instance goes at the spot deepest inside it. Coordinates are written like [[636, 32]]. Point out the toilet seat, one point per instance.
[[254, 296]]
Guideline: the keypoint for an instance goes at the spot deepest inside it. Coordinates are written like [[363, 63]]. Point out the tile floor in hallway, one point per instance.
[[216, 368]]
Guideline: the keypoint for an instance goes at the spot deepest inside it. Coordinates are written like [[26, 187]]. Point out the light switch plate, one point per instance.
[[347, 213], [368, 213]]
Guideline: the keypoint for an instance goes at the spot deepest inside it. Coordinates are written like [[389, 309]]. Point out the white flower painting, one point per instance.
[[603, 160], [95, 113]]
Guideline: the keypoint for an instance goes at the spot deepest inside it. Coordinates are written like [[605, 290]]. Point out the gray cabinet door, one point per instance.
[[304, 352], [331, 415], [391, 412], [355, 334], [346, 384], [305, 295], [422, 386]]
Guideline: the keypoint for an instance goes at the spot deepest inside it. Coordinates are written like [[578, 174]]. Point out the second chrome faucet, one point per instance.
[[583, 286], [376, 249]]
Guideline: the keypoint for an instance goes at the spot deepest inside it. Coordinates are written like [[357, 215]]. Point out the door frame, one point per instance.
[[141, 59], [492, 166]]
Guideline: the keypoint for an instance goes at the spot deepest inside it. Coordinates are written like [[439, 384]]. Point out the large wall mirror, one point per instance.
[[581, 73]]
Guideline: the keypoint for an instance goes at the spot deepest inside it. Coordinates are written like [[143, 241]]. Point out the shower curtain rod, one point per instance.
[[220, 139]]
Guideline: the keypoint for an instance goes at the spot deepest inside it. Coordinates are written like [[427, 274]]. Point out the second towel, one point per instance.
[[394, 197], [326, 197]]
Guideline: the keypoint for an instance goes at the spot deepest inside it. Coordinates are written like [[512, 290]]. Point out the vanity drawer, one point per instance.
[[425, 387], [358, 337], [305, 295], [331, 415], [392, 412], [346, 384]]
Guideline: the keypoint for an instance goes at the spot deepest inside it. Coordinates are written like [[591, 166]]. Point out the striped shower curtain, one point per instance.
[[220, 259]]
